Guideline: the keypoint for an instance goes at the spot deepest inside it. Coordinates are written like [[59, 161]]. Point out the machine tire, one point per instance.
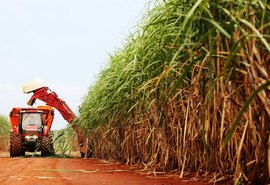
[[16, 147], [46, 145], [89, 151]]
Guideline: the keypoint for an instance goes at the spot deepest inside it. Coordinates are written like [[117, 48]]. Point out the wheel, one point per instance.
[[82, 155], [46, 145], [16, 147], [89, 151]]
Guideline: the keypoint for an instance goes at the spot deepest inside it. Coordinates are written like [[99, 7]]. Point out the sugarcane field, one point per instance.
[[160, 92]]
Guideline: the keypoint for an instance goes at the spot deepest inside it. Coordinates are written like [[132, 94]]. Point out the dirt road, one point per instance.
[[68, 171]]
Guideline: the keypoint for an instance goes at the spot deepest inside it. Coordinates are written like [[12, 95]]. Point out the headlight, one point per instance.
[[35, 137], [31, 137]]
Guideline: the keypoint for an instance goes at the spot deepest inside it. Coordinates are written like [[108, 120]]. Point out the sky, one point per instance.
[[65, 43]]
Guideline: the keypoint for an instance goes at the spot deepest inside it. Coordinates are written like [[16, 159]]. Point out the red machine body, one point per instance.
[[47, 113], [31, 130], [51, 99]]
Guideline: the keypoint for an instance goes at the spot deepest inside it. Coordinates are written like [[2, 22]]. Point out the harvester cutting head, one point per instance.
[[32, 86]]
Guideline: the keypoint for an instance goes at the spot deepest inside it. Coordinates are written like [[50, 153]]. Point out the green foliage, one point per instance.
[[65, 141], [4, 133], [4, 126], [157, 60], [61, 144], [178, 84]]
